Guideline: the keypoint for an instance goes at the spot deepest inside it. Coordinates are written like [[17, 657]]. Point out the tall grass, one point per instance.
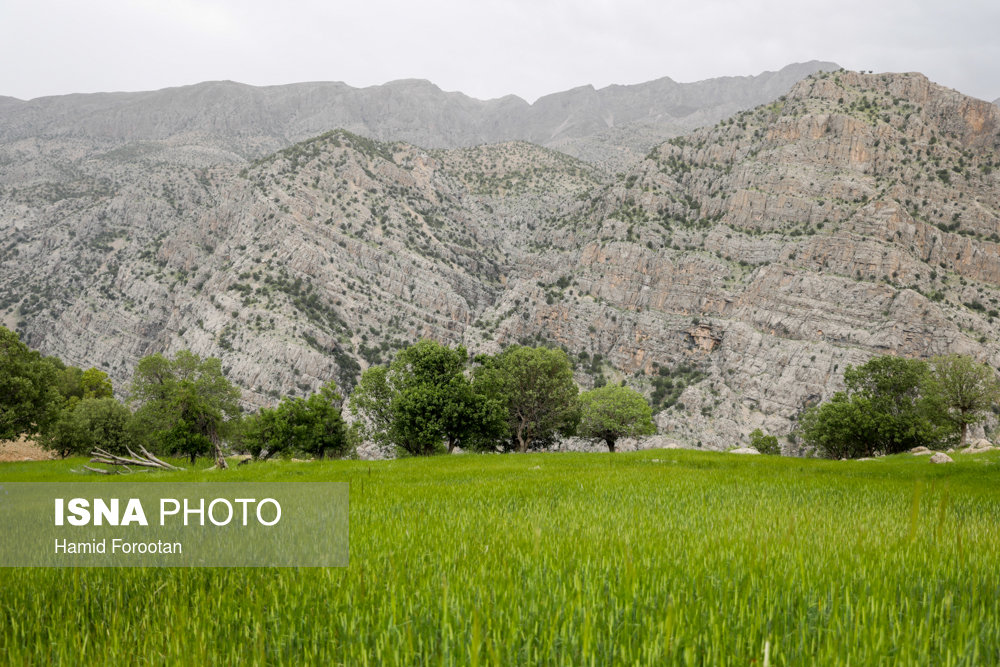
[[586, 559]]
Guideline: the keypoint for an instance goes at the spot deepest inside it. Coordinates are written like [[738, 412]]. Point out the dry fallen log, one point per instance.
[[146, 460]]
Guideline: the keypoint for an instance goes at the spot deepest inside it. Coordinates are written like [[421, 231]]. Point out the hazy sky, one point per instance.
[[485, 48]]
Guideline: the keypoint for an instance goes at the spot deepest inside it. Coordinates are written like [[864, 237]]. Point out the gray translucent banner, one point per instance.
[[183, 524]]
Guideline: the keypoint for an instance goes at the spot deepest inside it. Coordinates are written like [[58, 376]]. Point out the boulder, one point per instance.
[[979, 446], [941, 457], [744, 450], [920, 451]]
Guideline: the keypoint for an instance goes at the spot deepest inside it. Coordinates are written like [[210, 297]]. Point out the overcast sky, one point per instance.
[[485, 48]]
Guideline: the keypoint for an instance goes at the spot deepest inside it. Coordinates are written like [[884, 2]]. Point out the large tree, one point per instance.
[[88, 423], [424, 403], [29, 398], [965, 388], [185, 403], [611, 412], [888, 408], [312, 425], [535, 386]]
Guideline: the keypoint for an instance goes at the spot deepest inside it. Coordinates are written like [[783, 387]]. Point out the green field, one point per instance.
[[656, 557]]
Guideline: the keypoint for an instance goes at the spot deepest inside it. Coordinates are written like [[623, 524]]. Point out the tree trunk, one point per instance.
[[220, 460], [965, 430], [611, 444], [451, 445], [522, 444]]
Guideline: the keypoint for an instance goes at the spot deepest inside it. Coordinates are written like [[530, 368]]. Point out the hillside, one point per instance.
[[732, 274]]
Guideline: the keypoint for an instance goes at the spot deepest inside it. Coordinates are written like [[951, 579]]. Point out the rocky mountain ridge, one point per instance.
[[732, 274], [227, 121]]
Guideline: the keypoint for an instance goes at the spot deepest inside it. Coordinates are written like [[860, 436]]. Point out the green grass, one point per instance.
[[658, 557]]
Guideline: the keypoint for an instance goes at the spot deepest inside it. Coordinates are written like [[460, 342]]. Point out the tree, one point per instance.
[[423, 402], [185, 403], [965, 388], [29, 399], [765, 444], [886, 409], [371, 406], [89, 423], [75, 384], [535, 386], [312, 425], [612, 412]]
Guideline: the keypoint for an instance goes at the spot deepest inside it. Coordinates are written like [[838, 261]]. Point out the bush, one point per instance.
[[765, 444], [89, 423], [889, 407]]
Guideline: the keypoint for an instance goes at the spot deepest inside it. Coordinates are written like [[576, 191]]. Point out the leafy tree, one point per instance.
[[765, 444], [185, 403], [886, 409], [535, 386], [423, 402], [965, 388], [89, 423], [312, 425], [75, 384], [96, 384], [29, 399], [371, 406], [611, 412]]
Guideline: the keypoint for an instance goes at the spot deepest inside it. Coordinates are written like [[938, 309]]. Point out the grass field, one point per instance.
[[656, 557]]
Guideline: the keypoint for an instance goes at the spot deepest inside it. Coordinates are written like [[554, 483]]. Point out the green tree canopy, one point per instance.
[[424, 403], [185, 403], [312, 425], [763, 443], [888, 408], [29, 398], [535, 386], [612, 412], [89, 423], [965, 388], [75, 384]]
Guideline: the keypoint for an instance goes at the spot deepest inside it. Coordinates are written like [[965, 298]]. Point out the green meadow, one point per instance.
[[655, 557]]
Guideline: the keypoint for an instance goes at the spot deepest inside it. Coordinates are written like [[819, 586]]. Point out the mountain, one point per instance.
[[228, 121], [732, 274]]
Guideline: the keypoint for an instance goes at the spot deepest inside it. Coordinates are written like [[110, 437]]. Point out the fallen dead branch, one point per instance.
[[145, 460]]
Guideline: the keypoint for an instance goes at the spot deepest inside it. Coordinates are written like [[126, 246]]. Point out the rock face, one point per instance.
[[731, 275]]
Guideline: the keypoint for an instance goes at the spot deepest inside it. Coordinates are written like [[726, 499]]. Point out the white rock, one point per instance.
[[941, 457], [744, 450], [917, 451]]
